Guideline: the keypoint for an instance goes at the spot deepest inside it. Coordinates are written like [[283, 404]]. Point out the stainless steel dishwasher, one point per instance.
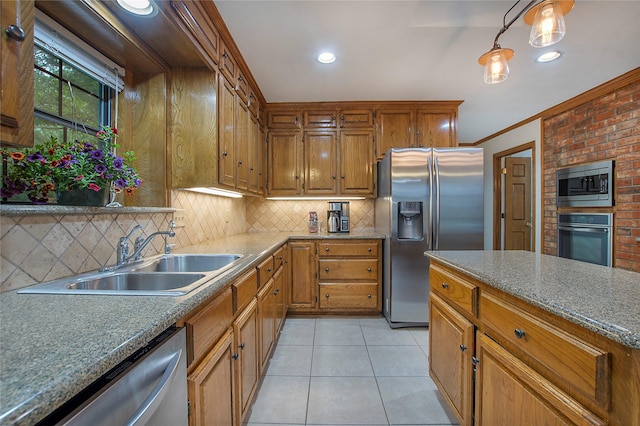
[[148, 388]]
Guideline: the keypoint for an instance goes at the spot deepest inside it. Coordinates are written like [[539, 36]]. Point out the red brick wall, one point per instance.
[[607, 127]]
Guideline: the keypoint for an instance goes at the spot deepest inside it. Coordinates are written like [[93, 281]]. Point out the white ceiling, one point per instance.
[[428, 50]]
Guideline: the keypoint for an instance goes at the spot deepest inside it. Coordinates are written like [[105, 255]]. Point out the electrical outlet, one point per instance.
[[180, 218]]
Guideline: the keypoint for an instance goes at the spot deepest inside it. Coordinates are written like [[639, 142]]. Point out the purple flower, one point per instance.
[[117, 163], [100, 168], [120, 183], [36, 156], [96, 154]]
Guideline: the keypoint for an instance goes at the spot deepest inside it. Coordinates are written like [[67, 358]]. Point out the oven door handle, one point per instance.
[[581, 229]]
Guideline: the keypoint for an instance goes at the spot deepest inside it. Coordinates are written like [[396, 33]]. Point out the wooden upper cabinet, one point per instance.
[[284, 119], [356, 162], [321, 163], [356, 118], [394, 130], [194, 128], [226, 131], [241, 145], [285, 162], [435, 130], [197, 21], [228, 64], [321, 118], [242, 87], [16, 76]]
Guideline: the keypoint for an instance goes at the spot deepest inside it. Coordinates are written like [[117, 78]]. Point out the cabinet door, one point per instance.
[[451, 345], [508, 392], [241, 144], [226, 129], [320, 119], [394, 130], [266, 318], [285, 159], [228, 64], [212, 386], [254, 155], [197, 20], [245, 329], [356, 118], [16, 76], [436, 130], [303, 275], [194, 128], [356, 162], [321, 164]]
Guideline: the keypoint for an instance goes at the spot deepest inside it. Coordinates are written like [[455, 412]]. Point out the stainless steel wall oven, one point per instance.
[[587, 237]]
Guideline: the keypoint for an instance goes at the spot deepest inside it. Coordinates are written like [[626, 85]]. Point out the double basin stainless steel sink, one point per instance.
[[163, 275]]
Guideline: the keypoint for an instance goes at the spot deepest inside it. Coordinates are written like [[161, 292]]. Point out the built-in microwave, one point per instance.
[[586, 185]]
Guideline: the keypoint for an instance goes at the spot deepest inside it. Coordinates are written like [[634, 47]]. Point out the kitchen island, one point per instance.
[[53, 346], [534, 338]]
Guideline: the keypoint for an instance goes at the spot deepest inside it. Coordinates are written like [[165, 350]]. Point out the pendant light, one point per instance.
[[496, 67], [547, 22]]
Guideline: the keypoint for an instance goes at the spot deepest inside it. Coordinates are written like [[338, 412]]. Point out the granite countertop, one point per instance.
[[53, 346], [604, 300]]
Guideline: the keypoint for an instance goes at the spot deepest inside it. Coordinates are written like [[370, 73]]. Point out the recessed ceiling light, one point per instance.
[[326, 57], [138, 7], [549, 56]]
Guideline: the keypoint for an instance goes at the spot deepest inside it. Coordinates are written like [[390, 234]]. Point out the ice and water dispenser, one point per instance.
[[410, 220]]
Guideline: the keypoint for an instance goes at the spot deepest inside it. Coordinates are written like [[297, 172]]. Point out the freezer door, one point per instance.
[[459, 206]]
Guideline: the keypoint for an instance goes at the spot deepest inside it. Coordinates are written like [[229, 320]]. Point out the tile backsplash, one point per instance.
[[41, 247]]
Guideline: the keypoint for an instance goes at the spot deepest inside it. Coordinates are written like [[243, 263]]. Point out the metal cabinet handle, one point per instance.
[[475, 361], [326, 269], [369, 249], [368, 269], [445, 285], [269, 269], [369, 296], [224, 154], [463, 348], [235, 356], [326, 249], [241, 345], [519, 333], [326, 295]]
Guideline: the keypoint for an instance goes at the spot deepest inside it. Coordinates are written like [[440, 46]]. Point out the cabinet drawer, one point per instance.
[[228, 65], [363, 296], [359, 249], [278, 258], [265, 271], [327, 118], [454, 289], [284, 119], [244, 289], [562, 357], [206, 326], [353, 269]]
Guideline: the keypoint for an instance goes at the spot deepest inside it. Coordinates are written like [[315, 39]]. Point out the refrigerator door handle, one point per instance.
[[429, 211], [436, 189]]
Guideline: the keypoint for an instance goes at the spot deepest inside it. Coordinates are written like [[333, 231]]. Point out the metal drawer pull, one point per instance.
[[463, 348], [235, 356], [368, 269], [326, 269], [519, 333], [369, 249], [445, 285], [369, 296], [241, 345], [326, 295], [269, 269], [326, 249]]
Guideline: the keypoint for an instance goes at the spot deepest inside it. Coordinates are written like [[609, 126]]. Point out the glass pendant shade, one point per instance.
[[496, 66], [548, 25]]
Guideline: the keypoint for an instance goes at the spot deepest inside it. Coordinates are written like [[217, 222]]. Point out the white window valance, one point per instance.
[[53, 37]]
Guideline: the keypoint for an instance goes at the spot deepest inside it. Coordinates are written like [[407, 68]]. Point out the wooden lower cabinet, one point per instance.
[[509, 392], [245, 331], [266, 316], [451, 347], [302, 294], [211, 386]]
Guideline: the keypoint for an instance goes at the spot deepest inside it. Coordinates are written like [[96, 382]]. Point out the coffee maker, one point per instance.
[[338, 217]]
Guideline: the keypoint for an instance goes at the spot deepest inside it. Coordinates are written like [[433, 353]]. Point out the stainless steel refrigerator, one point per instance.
[[428, 199]]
